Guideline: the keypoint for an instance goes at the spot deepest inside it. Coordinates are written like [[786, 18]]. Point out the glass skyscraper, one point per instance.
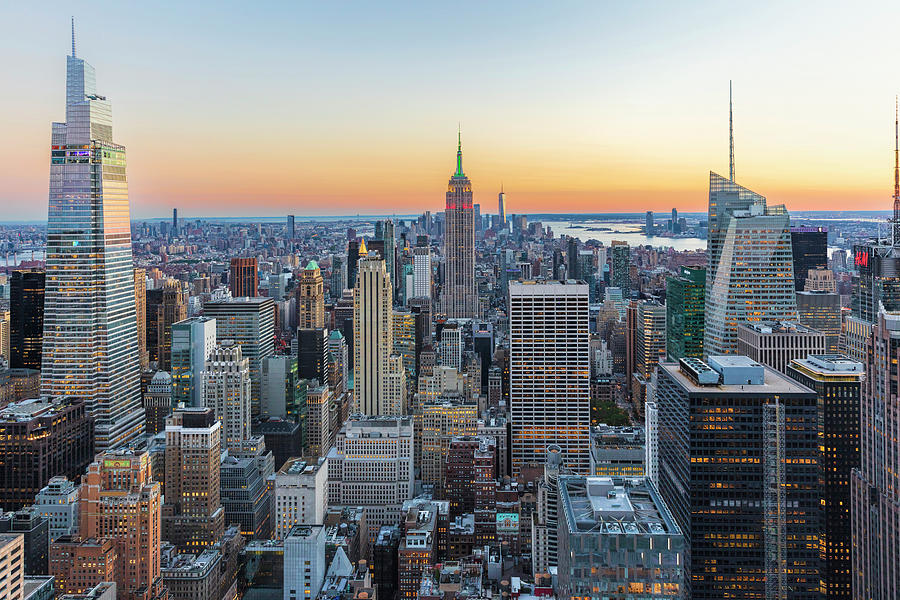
[[90, 329], [750, 275]]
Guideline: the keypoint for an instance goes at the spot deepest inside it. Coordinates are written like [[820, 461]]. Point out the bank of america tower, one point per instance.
[[90, 330]]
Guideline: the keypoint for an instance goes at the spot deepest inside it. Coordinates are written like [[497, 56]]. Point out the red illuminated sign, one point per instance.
[[861, 259]]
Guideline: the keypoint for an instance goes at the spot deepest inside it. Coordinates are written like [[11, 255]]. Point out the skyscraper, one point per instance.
[[165, 307], [648, 228], [373, 335], [549, 372], [837, 380], [250, 322], [193, 341], [311, 298], [243, 277], [875, 485], [140, 306], [291, 230], [193, 516], [738, 454], [501, 207], [460, 297], [809, 246], [685, 298], [120, 501], [620, 267], [751, 275], [26, 319], [422, 271], [175, 221], [90, 347], [226, 390], [384, 232]]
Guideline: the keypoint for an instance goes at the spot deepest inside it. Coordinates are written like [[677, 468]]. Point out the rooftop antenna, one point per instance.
[[896, 160], [731, 136], [73, 36]]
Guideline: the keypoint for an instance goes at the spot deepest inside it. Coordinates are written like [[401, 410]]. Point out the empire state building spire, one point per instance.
[[459, 170]]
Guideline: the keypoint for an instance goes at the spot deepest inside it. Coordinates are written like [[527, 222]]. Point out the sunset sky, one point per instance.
[[267, 108]]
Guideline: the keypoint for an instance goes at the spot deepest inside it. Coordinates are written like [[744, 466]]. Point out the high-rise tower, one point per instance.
[[459, 295], [373, 335], [501, 207], [90, 331]]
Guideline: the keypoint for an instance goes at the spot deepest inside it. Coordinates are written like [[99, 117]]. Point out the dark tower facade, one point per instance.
[[26, 315]]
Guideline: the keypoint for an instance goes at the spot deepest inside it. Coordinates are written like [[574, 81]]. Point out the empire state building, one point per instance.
[[90, 327], [460, 300]]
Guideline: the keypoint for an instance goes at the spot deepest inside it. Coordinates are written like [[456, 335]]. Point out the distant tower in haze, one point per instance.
[[501, 208], [459, 295], [649, 225], [90, 341], [174, 221]]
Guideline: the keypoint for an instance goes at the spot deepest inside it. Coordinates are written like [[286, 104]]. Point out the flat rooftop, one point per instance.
[[779, 327], [773, 382], [616, 506]]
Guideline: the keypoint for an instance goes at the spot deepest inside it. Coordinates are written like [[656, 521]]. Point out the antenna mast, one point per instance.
[[73, 36], [730, 136]]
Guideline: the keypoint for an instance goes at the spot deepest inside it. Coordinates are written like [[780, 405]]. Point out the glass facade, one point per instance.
[[685, 313], [90, 327]]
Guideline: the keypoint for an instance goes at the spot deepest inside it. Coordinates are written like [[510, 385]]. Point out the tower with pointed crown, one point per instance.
[[459, 296]]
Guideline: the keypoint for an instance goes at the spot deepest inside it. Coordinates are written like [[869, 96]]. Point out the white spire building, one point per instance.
[[90, 327]]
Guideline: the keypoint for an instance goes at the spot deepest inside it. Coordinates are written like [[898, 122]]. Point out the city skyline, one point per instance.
[[563, 107]]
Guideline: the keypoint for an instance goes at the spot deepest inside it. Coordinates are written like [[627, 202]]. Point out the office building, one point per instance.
[[618, 451], [80, 565], [312, 354], [291, 229], [418, 549], [549, 372], [243, 278], [339, 362], [620, 267], [283, 438], [338, 281], [451, 346], [41, 438], [648, 227], [750, 275], [471, 473], [685, 316], [820, 280], [458, 293], [650, 346], [442, 421], [371, 465], [821, 311], [226, 390], [120, 501], [4, 335], [618, 535], [776, 344], [373, 335], [249, 322], [140, 306], [35, 531], [319, 406], [300, 494], [304, 561], [837, 380], [193, 341], [58, 502], [157, 402], [738, 445], [193, 517], [90, 343], [193, 576], [404, 336], [26, 319], [166, 306], [422, 271], [875, 485], [283, 391], [12, 548], [246, 497], [311, 298], [384, 233], [809, 247]]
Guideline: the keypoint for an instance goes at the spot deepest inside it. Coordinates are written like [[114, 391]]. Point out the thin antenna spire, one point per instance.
[[896, 160], [73, 36], [730, 135], [459, 171]]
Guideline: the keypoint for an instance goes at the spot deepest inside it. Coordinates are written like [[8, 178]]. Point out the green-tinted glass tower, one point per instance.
[[685, 300]]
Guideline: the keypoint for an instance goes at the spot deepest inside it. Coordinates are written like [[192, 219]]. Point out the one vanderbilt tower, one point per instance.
[[90, 330], [460, 298]]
